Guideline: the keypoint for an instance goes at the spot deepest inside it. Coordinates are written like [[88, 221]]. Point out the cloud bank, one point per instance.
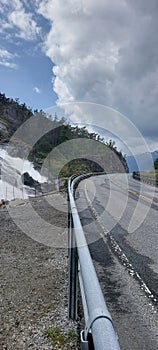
[[106, 52]]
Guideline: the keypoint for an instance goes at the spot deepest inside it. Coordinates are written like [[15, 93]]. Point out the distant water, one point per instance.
[[12, 168]]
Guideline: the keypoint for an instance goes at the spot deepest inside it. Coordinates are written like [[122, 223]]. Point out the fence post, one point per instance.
[[73, 268], [22, 192], [13, 193], [73, 274]]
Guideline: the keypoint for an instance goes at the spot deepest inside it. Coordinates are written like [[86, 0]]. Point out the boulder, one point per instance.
[[29, 181]]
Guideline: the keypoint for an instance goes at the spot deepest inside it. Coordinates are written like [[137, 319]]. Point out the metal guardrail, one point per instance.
[[99, 333], [147, 179]]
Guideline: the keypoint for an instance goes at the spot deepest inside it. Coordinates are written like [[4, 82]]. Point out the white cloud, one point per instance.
[[28, 28], [8, 64], [6, 58], [37, 90], [18, 17], [106, 52], [4, 26], [5, 54]]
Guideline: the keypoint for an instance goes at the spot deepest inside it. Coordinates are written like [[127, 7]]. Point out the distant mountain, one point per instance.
[[154, 155], [144, 161]]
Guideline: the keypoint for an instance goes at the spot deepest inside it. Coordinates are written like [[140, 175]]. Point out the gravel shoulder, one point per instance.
[[34, 281]]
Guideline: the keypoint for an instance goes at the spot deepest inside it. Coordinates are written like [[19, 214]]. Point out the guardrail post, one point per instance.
[[73, 269], [69, 224], [86, 344]]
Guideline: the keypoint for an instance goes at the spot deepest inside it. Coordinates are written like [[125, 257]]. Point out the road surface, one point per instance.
[[119, 215]]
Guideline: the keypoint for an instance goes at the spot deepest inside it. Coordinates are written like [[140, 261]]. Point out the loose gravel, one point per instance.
[[34, 283]]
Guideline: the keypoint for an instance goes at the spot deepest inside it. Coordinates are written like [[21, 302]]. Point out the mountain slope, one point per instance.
[[144, 161], [13, 114]]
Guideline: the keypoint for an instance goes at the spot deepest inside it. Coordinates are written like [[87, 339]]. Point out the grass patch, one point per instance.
[[57, 337]]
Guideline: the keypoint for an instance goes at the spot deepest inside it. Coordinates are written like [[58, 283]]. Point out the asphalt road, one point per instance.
[[119, 215]]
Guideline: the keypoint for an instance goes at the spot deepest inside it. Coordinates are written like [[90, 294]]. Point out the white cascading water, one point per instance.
[[12, 168]]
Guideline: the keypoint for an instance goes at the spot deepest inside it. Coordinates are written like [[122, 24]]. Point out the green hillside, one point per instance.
[[70, 149]]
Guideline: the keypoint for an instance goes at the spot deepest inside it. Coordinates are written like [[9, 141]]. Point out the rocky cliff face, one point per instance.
[[12, 115]]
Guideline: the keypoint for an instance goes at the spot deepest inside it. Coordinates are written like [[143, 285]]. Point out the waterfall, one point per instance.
[[11, 169]]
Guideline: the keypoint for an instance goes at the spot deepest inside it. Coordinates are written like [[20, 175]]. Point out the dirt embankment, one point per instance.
[[34, 279]]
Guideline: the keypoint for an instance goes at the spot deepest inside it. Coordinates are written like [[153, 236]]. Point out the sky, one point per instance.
[[102, 53]]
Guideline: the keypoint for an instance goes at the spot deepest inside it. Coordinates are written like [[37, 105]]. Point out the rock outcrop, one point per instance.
[[28, 180], [12, 115]]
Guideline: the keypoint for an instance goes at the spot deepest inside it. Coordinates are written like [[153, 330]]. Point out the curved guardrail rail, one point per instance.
[[147, 179], [99, 333]]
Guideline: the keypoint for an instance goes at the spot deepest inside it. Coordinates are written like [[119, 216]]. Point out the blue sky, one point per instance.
[[104, 52], [25, 70]]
